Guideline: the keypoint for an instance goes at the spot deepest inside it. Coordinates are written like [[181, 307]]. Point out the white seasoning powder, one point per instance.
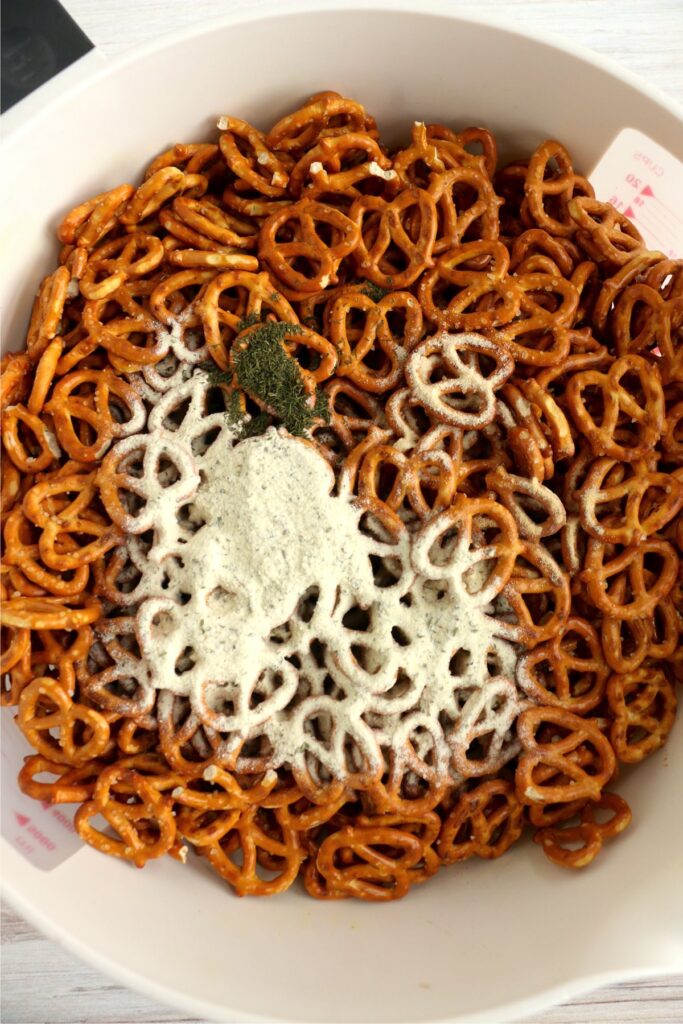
[[268, 531]]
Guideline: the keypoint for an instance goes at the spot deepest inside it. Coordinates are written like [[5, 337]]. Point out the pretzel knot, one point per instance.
[[325, 114], [473, 534], [625, 425], [362, 348], [469, 288], [643, 703], [567, 671], [258, 839], [484, 822], [246, 153], [576, 846], [426, 480], [140, 817], [378, 858], [98, 402], [636, 502], [396, 238], [343, 165], [295, 238], [549, 186], [467, 207], [83, 732], [603, 232], [550, 769], [448, 375], [642, 588]]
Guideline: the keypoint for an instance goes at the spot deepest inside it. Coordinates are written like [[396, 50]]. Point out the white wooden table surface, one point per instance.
[[40, 982]]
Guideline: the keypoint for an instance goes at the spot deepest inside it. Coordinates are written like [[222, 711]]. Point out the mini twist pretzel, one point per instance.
[[353, 861], [644, 412], [326, 113], [28, 440], [145, 829], [568, 734], [602, 573], [376, 338], [538, 595], [548, 192], [539, 336], [202, 224], [485, 822], [156, 190], [339, 164], [463, 394], [568, 671], [524, 497], [246, 153], [72, 785], [603, 232], [460, 214], [587, 837], [294, 235], [112, 410], [469, 289], [83, 732], [87, 224], [449, 545], [252, 838], [48, 613], [419, 478], [114, 262], [649, 501], [396, 238], [643, 704]]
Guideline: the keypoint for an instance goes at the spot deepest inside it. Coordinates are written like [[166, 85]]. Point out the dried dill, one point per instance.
[[248, 321], [265, 371], [374, 291], [215, 374]]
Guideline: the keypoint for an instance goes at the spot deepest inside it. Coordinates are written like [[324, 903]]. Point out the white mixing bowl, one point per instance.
[[483, 941]]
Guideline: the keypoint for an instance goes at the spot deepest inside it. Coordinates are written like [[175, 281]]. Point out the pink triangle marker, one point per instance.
[[23, 819]]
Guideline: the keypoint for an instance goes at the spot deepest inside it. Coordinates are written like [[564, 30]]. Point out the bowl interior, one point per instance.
[[482, 938]]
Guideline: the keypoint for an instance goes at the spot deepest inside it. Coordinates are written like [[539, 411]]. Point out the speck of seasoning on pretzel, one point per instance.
[[459, 389]]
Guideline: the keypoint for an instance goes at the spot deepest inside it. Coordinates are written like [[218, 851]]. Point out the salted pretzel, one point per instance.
[[489, 360]]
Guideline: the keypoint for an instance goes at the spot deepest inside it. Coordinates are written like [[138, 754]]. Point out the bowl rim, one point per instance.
[[54, 96]]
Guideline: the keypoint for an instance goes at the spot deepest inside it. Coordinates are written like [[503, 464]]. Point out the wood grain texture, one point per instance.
[[40, 981]]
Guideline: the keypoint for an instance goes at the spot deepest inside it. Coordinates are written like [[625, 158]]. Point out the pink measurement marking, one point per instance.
[[22, 819]]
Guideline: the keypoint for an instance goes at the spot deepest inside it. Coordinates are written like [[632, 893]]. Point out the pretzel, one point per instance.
[[332, 167], [326, 113], [485, 822], [478, 291], [604, 233], [376, 338], [464, 397], [202, 224], [146, 828], [549, 192], [251, 837], [459, 214], [44, 706], [568, 735], [351, 865], [588, 834], [644, 415], [641, 592], [558, 673], [71, 785], [395, 234], [643, 703], [261, 169], [651, 501]]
